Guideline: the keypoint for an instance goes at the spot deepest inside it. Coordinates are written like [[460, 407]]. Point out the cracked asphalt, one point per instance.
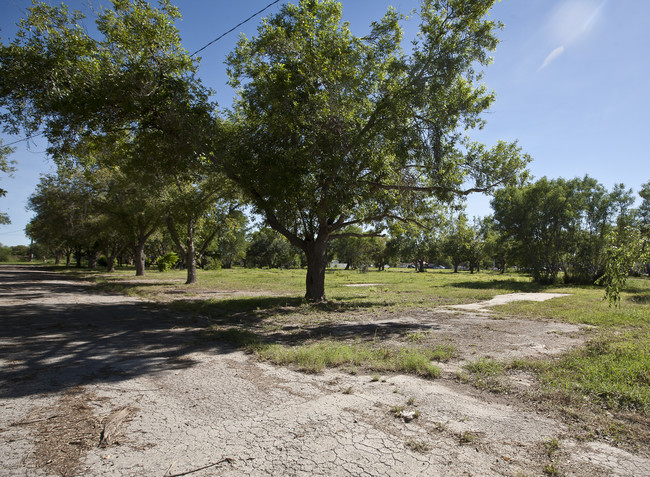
[[202, 408]]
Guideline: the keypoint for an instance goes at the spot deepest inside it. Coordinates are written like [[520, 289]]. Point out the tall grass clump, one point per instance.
[[329, 354]]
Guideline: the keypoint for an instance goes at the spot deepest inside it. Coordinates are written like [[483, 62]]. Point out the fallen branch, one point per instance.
[[225, 459], [25, 423]]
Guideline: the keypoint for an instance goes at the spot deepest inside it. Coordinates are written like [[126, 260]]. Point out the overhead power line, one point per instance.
[[236, 26], [24, 139], [197, 51]]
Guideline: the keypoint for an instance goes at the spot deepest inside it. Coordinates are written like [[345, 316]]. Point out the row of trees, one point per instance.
[[552, 228], [329, 130]]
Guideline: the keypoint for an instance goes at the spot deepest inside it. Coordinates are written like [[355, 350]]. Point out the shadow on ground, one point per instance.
[[509, 285], [49, 342]]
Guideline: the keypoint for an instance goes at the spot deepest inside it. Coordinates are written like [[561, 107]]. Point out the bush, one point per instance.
[[5, 254], [213, 264], [167, 261]]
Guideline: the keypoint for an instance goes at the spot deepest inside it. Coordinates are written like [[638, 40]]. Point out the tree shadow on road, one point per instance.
[[49, 346]]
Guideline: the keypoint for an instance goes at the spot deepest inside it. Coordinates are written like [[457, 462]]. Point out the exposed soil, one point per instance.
[[70, 358]]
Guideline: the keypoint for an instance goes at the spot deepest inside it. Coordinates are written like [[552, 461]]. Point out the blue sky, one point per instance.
[[571, 78]]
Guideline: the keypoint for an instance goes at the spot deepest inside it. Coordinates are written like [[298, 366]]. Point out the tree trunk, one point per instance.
[[316, 253], [68, 258], [77, 257], [57, 258], [138, 258], [188, 251], [92, 259], [190, 261]]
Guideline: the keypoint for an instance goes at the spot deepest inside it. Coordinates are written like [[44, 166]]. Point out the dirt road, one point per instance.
[[71, 358]]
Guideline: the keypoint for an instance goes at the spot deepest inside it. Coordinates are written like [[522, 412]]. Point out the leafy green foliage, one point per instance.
[[626, 247], [352, 131], [560, 225], [5, 253], [352, 247], [268, 248], [6, 168], [167, 261]]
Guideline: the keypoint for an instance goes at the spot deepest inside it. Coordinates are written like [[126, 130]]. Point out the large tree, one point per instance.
[[332, 130], [134, 77], [198, 214]]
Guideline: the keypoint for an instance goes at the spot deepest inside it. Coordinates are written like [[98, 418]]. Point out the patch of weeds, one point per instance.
[[443, 352], [410, 401], [315, 357], [440, 426], [348, 390], [462, 377], [552, 470], [612, 370], [417, 446], [551, 446], [485, 367], [467, 438], [395, 391], [486, 374], [402, 412], [375, 378], [417, 337], [416, 361]]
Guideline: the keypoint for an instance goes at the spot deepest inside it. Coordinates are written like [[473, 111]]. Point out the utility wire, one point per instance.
[[24, 139], [197, 51], [235, 27]]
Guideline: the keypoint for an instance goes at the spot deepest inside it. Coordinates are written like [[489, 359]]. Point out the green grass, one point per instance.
[[397, 288], [315, 357], [485, 373], [612, 370]]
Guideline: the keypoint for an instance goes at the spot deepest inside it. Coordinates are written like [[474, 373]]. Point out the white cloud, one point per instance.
[[573, 19], [552, 56]]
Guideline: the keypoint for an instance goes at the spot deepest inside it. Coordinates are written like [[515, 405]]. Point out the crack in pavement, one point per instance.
[[210, 409]]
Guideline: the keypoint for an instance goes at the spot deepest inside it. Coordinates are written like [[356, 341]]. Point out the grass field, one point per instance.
[[263, 311]]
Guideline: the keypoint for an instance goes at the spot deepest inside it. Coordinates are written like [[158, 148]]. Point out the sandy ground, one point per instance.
[[71, 358]]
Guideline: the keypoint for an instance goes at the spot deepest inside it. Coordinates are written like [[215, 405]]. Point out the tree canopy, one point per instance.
[[332, 130]]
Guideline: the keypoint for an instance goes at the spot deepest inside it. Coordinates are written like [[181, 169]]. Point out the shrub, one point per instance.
[[167, 261]]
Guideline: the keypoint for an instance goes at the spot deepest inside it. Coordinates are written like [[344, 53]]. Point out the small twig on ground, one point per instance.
[[24, 423], [225, 459], [169, 469]]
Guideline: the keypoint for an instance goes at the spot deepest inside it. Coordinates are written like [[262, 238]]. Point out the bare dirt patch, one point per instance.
[[64, 432], [203, 408]]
